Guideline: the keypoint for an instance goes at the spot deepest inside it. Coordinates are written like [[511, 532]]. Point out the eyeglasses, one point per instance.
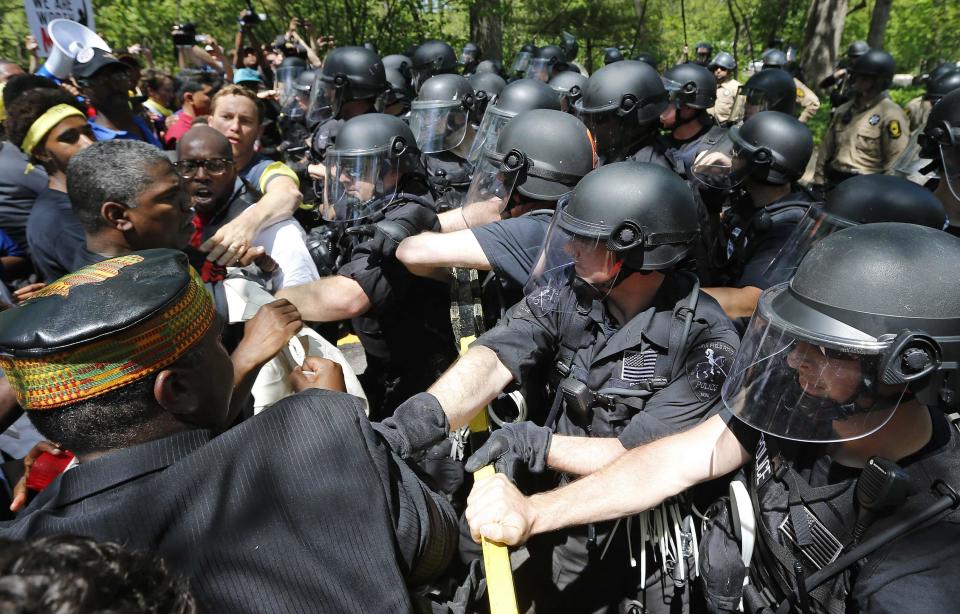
[[215, 166]]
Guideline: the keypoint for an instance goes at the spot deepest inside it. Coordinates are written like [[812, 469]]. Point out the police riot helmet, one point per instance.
[[399, 91], [486, 88], [545, 61], [643, 213], [568, 42], [348, 74], [611, 55], [540, 154], [723, 60], [773, 58], [621, 218], [399, 63], [942, 85], [366, 165], [938, 71], [702, 52], [772, 89], [865, 199], [691, 85], [431, 58], [875, 63], [770, 147], [518, 96], [305, 80], [490, 66], [569, 86], [856, 49], [831, 354], [440, 113], [470, 53], [647, 58]]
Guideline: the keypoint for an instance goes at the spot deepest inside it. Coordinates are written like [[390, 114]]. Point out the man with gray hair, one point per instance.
[[128, 197]]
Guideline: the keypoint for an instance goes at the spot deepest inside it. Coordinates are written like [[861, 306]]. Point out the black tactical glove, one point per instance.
[[417, 424], [386, 235], [523, 444]]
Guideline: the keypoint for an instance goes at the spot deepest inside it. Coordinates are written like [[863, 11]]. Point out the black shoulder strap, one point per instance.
[[668, 367]]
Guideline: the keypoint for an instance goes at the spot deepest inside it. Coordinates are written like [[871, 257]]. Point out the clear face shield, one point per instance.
[[326, 98], [492, 185], [438, 126], [606, 123], [286, 84], [574, 256], [813, 226], [521, 62], [540, 68], [808, 387], [751, 101], [726, 164], [487, 134], [359, 183]]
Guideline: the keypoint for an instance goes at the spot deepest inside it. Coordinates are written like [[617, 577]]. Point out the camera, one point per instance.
[[184, 34]]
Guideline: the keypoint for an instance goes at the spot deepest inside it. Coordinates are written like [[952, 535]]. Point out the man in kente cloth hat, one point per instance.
[[307, 507]]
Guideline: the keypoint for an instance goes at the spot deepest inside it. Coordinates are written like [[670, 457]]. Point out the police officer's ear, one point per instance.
[[115, 215]]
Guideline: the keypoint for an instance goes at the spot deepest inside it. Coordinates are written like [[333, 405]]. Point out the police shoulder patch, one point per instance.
[[800, 93], [874, 119], [894, 128], [707, 367]]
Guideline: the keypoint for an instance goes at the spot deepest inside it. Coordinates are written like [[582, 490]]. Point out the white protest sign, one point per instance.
[[42, 12]]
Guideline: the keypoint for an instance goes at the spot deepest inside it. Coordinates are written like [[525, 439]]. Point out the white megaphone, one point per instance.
[[69, 39]]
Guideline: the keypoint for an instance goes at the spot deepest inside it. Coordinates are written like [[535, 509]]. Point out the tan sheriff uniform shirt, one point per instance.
[[806, 100], [863, 140], [917, 110], [726, 96]]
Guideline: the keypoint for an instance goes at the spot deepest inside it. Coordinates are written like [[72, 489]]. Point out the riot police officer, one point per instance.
[[837, 78], [521, 61], [431, 58], [625, 333], [837, 356], [611, 55], [647, 58], [865, 135], [693, 91], [621, 105], [349, 84], [518, 96], [768, 90], [724, 68], [759, 164], [399, 96], [702, 54], [491, 66], [440, 121], [469, 58], [807, 100], [377, 186], [546, 63], [399, 63], [940, 142], [539, 157]]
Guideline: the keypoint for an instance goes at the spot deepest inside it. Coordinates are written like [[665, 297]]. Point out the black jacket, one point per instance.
[[304, 508]]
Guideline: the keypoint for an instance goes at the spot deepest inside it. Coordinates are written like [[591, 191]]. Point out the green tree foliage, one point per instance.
[[919, 32]]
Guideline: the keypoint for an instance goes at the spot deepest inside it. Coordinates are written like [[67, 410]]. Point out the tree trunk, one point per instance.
[[486, 27], [821, 38], [878, 23]]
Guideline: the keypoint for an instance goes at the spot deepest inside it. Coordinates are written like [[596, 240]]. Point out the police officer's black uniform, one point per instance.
[[637, 381], [810, 508]]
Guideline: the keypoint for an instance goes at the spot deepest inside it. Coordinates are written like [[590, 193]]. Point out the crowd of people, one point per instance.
[[714, 365]]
